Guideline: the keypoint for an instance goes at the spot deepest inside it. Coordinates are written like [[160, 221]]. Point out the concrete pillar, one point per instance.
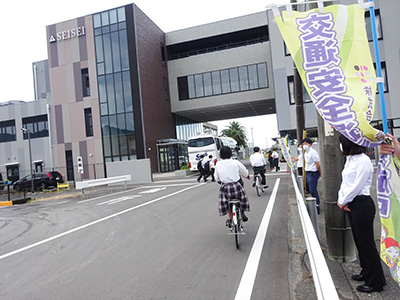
[[340, 241]]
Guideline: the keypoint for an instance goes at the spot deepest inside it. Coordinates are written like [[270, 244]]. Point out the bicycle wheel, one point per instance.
[[237, 226], [258, 187], [237, 235]]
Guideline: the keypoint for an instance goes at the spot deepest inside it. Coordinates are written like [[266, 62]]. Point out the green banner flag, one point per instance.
[[331, 53]]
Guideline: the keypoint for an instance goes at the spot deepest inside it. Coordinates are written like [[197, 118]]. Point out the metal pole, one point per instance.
[[30, 160], [30, 156], [378, 68]]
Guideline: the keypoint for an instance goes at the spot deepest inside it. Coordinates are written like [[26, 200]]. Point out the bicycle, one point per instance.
[[236, 227], [259, 187]]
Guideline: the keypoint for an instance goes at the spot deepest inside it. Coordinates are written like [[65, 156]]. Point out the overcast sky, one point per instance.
[[24, 40]]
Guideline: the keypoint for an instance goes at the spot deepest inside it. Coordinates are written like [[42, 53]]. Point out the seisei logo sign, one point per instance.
[[67, 34]]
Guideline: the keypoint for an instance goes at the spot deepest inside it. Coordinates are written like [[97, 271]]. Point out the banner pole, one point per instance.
[[378, 67]]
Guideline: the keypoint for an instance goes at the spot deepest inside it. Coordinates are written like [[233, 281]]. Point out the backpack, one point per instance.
[[207, 166], [199, 165]]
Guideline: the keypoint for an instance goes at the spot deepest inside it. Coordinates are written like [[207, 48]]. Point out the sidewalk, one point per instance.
[[340, 271]]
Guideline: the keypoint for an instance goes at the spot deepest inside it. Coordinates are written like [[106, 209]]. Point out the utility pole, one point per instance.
[[338, 231], [337, 227], [300, 122]]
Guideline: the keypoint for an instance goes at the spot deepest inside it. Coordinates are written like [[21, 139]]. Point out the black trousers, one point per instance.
[[260, 170], [361, 217]]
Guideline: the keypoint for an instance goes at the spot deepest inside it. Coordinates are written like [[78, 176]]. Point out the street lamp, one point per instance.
[[30, 155]]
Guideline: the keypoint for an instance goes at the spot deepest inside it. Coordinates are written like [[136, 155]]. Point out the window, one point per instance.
[[37, 126], [225, 81], [287, 53], [114, 85], [85, 82], [7, 131], [166, 89], [384, 75], [88, 122], [290, 81], [379, 35], [219, 42], [291, 91], [38, 167], [163, 58]]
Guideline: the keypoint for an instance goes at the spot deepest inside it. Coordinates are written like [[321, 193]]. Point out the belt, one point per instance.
[[311, 171]]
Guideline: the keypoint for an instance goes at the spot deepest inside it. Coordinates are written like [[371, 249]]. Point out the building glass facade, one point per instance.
[[186, 128], [114, 85]]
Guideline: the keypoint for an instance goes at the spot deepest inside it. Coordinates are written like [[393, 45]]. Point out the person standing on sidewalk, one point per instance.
[[312, 168], [275, 157], [354, 198]]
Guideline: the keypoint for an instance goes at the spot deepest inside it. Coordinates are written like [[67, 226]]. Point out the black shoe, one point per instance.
[[213, 180], [205, 180], [254, 184], [357, 277], [368, 289], [198, 180], [245, 218], [266, 186], [228, 223]]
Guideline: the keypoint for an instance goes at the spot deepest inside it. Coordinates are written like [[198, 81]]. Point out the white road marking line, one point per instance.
[[91, 223], [113, 201], [245, 288], [134, 189], [154, 190], [108, 195]]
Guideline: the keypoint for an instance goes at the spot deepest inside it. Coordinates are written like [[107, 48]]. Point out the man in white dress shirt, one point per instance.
[[312, 168], [257, 161]]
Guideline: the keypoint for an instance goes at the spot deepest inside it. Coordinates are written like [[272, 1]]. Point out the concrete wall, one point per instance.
[[140, 170]]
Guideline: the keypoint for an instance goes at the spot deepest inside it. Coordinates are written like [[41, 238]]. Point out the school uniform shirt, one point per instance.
[[212, 165], [257, 160], [300, 160], [356, 178], [229, 170], [311, 157]]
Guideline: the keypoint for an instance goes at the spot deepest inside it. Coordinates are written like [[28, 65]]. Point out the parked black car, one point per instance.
[[40, 181]]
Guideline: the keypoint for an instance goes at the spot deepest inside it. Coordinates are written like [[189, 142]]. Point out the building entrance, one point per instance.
[[172, 155]]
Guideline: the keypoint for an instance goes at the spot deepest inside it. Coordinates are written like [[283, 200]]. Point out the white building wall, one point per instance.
[[17, 152]]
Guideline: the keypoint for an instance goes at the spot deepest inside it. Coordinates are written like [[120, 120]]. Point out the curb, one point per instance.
[[17, 201]]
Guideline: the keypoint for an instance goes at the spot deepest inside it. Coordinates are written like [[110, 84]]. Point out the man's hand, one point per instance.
[[388, 149], [248, 177]]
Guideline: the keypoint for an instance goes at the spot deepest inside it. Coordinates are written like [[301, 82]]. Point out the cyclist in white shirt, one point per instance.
[[257, 161], [228, 172]]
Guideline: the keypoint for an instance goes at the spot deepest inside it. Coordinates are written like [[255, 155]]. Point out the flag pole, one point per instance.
[[378, 67]]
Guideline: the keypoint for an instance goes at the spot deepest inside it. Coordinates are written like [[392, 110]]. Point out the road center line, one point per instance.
[[245, 288], [92, 223]]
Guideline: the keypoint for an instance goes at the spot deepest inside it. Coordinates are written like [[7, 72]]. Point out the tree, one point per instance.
[[237, 132]]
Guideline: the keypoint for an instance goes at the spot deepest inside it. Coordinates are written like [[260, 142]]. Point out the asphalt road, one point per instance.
[[159, 241]]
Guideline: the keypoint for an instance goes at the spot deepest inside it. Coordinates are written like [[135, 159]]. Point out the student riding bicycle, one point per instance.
[[257, 161], [228, 172]]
